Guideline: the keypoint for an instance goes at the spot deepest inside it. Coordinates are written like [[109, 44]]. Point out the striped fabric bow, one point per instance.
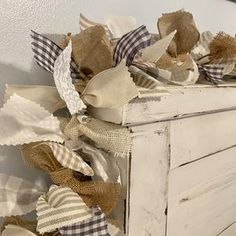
[[129, 45], [60, 207], [95, 226], [46, 53]]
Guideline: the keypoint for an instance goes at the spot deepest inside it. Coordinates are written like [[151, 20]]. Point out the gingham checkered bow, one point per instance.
[[213, 73], [95, 226], [129, 45], [46, 53]]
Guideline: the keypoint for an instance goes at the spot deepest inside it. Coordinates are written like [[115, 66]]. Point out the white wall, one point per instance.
[[17, 18]]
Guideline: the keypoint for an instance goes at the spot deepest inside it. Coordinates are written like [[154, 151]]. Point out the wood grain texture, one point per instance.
[[148, 181], [202, 196], [198, 136]]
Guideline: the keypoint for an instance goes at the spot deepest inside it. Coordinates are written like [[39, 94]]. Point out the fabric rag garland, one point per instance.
[[106, 65], [93, 193]]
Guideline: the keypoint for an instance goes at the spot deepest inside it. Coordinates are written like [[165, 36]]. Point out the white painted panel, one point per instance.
[[202, 196], [199, 136], [182, 102], [148, 181]]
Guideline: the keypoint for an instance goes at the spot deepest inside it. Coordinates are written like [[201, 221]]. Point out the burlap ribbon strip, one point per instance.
[[93, 193], [111, 137], [187, 34]]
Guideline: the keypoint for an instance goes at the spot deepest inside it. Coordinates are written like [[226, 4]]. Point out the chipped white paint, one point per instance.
[[148, 176], [202, 196], [184, 101], [199, 136], [184, 159]]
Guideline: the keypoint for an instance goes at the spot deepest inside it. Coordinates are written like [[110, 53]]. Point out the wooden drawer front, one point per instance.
[[195, 137], [202, 196]]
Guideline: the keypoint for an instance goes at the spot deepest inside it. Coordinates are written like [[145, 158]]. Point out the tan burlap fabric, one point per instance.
[[91, 50], [29, 225], [187, 34], [108, 136], [93, 193], [223, 49]]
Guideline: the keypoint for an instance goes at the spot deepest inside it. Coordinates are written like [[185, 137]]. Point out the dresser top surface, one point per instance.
[[179, 102]]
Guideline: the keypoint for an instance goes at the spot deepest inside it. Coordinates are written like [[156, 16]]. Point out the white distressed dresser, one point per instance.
[[182, 169]]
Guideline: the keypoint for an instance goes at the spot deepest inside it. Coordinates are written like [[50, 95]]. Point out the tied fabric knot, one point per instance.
[[60, 207], [108, 136], [93, 193], [95, 226]]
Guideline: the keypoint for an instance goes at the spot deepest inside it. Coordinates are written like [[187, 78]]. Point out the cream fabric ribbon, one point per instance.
[[183, 72], [120, 25], [99, 91], [156, 50], [36, 93], [23, 121], [111, 88], [14, 230], [60, 207]]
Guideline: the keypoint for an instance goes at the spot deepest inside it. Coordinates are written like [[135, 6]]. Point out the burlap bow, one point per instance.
[[93, 193], [108, 136]]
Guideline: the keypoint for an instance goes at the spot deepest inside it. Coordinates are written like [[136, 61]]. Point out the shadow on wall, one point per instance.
[[36, 75], [9, 73], [11, 162]]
